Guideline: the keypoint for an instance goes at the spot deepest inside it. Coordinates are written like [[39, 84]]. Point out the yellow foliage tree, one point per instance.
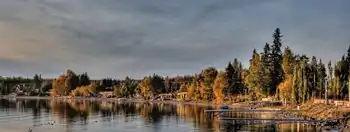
[[85, 91], [218, 87], [184, 87], [145, 87], [191, 91], [58, 86], [286, 87]]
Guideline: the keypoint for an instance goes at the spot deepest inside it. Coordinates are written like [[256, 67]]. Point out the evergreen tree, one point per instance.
[[288, 61], [276, 61], [336, 81], [344, 69], [167, 84], [321, 75], [330, 79], [313, 76], [208, 77], [253, 79], [296, 81], [265, 70], [230, 71], [236, 78]]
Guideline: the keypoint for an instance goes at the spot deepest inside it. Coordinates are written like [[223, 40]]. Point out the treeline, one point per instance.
[[34, 84], [274, 72], [36, 77]]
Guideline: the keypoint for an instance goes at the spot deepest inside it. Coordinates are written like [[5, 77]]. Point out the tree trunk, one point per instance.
[[326, 92]]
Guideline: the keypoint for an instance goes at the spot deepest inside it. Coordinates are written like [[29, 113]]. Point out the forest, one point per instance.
[[275, 73]]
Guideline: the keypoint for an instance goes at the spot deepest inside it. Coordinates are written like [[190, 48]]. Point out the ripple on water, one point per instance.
[[90, 116]]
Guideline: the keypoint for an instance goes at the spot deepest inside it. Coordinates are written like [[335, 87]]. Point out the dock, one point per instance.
[[249, 111], [280, 120], [272, 119]]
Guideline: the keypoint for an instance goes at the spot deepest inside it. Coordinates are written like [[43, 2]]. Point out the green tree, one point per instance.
[[151, 86], [208, 76], [321, 75], [230, 71], [265, 70], [313, 77], [84, 79], [330, 78], [253, 79], [288, 61], [276, 55]]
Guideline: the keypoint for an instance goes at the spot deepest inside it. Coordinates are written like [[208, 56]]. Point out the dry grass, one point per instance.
[[319, 110]]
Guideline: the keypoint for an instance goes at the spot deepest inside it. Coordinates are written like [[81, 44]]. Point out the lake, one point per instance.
[[104, 116]]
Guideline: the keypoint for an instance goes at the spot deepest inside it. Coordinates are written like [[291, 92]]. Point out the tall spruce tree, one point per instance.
[[321, 75], [330, 79], [276, 61], [313, 76], [336, 81], [236, 78], [288, 61], [253, 79], [265, 70], [228, 90], [343, 77]]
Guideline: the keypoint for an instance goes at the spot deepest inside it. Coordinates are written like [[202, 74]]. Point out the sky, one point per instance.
[[136, 38]]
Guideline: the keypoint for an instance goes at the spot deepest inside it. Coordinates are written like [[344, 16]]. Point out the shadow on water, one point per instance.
[[155, 115]]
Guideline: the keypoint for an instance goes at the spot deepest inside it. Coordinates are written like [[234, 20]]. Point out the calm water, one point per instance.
[[103, 116]]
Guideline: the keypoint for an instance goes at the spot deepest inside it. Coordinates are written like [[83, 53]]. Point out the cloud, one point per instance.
[[137, 38]]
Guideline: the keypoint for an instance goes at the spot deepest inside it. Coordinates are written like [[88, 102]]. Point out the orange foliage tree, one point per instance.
[[218, 87], [285, 88]]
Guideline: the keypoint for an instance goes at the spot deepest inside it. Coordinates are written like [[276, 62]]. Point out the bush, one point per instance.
[[86, 91]]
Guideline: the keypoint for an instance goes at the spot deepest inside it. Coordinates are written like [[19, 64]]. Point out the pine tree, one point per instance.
[[230, 71], [305, 71], [296, 83], [313, 76], [344, 69], [276, 55], [236, 78], [265, 70], [288, 61], [330, 79], [253, 79], [167, 84], [336, 83], [209, 74], [321, 75]]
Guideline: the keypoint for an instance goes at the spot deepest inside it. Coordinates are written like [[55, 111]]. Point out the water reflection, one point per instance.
[[83, 114]]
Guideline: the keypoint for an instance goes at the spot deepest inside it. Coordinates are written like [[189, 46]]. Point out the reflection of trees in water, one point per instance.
[[197, 115], [70, 111]]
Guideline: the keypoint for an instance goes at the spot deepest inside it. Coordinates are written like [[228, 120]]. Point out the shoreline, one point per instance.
[[136, 100], [306, 113]]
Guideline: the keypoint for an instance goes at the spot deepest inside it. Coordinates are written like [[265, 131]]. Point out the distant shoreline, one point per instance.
[[236, 105], [241, 105]]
